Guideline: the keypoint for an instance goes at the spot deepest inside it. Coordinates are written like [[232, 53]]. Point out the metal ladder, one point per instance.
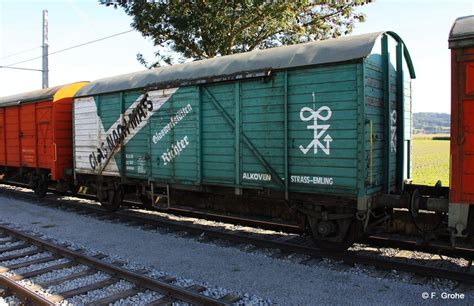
[[155, 198]]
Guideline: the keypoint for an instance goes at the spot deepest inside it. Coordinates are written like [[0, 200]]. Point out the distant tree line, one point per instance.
[[431, 123]]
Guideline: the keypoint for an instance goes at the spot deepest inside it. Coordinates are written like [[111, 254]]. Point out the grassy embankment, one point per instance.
[[430, 159]]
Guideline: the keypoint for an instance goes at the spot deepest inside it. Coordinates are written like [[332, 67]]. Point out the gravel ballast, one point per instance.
[[277, 280], [57, 274], [9, 301], [17, 252], [98, 294]]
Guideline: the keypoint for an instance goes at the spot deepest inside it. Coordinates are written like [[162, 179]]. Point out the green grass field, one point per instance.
[[430, 161]]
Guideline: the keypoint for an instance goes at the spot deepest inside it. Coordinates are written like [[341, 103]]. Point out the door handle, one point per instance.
[[55, 152]]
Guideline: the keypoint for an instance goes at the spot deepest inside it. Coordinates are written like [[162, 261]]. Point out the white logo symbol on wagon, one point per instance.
[[323, 113]]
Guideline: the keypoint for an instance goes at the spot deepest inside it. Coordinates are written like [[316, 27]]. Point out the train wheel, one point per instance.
[[335, 235], [41, 186], [333, 245], [110, 199]]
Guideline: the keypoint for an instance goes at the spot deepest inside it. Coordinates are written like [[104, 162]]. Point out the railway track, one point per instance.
[[24, 258], [408, 258], [17, 294], [374, 240]]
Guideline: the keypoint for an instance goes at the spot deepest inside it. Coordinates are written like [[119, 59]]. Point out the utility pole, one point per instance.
[[45, 69]]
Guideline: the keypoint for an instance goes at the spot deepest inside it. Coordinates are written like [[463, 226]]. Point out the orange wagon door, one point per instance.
[[45, 135], [12, 135], [3, 148], [28, 135], [468, 135]]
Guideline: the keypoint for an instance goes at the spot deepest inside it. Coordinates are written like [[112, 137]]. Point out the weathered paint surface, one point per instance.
[[101, 130], [37, 134], [26, 135], [12, 139], [462, 125], [234, 133], [383, 136]]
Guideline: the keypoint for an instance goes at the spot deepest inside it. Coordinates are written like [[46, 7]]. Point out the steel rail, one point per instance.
[[27, 296], [373, 240], [143, 281], [348, 257], [185, 212], [432, 248], [274, 226]]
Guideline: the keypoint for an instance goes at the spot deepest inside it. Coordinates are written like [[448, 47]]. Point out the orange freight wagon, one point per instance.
[[36, 137], [461, 43]]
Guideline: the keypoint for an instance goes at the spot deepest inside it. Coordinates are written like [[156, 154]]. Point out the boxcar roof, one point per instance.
[[37, 95], [241, 65], [462, 32]]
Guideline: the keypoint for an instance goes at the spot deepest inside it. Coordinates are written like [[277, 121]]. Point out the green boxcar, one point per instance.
[[328, 118]]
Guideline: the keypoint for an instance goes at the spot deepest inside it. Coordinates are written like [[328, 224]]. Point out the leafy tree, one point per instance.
[[199, 29]]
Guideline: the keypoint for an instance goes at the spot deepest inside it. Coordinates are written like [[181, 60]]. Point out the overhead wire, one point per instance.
[[19, 52], [69, 48], [21, 68]]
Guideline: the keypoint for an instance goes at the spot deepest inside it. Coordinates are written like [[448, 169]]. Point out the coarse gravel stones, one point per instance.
[[286, 279], [7, 245], [37, 267], [92, 296], [25, 259], [57, 274], [77, 282], [9, 301], [141, 298], [16, 252]]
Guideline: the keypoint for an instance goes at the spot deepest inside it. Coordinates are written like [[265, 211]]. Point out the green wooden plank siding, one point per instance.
[[218, 136], [362, 127], [257, 133], [136, 152], [264, 127], [408, 122], [183, 131], [337, 89], [376, 114]]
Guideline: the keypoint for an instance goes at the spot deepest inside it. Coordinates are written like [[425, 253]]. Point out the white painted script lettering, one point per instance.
[[183, 112], [175, 150], [316, 180], [256, 176], [393, 131]]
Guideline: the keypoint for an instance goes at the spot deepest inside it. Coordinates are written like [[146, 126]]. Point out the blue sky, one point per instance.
[[424, 25]]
